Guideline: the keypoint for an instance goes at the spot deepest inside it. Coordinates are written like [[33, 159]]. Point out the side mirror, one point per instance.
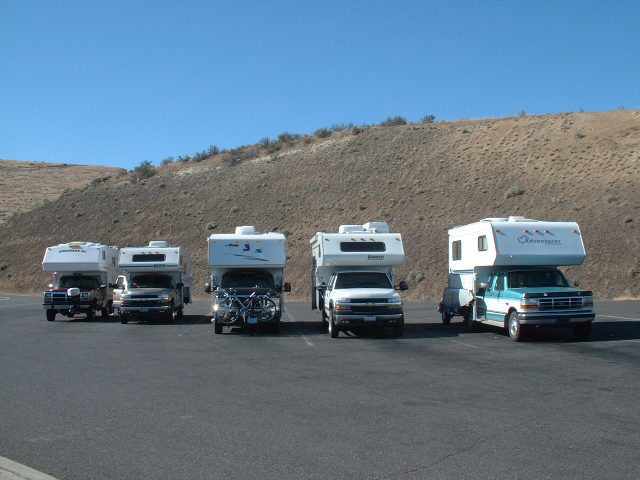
[[322, 287], [103, 286], [51, 285], [207, 288], [179, 285], [402, 286], [484, 285], [287, 287], [113, 285], [576, 283]]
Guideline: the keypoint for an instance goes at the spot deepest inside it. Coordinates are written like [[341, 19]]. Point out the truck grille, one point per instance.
[[61, 298], [370, 309], [560, 303], [370, 300]]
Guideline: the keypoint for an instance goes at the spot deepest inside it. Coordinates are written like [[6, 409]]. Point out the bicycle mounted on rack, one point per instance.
[[245, 307]]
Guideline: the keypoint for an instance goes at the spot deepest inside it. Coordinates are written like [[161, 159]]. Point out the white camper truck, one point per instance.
[[247, 278], [81, 273], [156, 282], [353, 278], [503, 272]]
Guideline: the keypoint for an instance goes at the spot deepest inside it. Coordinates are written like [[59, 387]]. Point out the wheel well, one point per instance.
[[506, 317]]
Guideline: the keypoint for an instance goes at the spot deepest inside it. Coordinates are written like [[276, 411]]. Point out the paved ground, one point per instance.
[[102, 400]]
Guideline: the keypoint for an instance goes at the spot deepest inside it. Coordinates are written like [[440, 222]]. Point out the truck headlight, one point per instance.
[[47, 294], [587, 301], [343, 304], [84, 295], [528, 303]]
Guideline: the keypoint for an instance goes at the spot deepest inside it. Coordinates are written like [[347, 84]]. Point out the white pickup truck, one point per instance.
[[353, 278]]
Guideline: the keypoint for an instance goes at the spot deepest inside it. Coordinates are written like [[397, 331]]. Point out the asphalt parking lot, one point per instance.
[[102, 400]]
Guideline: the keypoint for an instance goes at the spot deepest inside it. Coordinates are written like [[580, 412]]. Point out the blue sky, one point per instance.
[[119, 82]]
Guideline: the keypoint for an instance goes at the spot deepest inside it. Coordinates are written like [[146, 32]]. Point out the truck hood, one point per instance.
[[550, 291], [363, 292], [65, 289], [148, 291]]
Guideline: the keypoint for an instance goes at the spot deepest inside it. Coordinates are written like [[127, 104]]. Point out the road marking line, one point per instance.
[[185, 331], [5, 298], [293, 319], [621, 318], [20, 305], [18, 471]]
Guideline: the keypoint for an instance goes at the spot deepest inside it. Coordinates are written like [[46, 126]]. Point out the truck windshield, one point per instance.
[[151, 281], [85, 283], [362, 280], [247, 279], [536, 278]]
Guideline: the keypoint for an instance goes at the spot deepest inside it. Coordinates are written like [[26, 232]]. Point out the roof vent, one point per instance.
[[376, 227], [350, 228], [246, 230], [159, 243]]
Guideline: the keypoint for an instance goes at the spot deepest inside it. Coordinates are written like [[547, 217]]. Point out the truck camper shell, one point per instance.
[[80, 257], [358, 246], [157, 256], [514, 241], [247, 248]]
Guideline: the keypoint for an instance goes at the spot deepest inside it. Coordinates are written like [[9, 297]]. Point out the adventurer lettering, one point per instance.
[[525, 240]]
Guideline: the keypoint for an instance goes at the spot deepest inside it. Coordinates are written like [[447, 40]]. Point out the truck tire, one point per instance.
[[582, 330], [51, 315], [469, 322], [217, 327], [398, 330], [104, 311], [124, 319], [325, 322], [180, 314], [446, 317], [91, 315], [516, 330], [334, 331]]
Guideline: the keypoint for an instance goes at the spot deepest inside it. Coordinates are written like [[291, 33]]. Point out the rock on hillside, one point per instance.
[[422, 179], [27, 185]]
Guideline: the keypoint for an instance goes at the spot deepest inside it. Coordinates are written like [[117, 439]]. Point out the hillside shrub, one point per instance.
[[211, 225], [392, 121], [166, 161], [323, 132], [144, 170], [428, 119], [514, 192]]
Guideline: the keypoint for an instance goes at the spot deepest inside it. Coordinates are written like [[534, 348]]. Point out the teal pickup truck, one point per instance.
[[503, 272]]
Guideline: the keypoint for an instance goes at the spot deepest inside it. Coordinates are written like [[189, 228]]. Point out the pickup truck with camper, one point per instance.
[[81, 274], [247, 279], [156, 282], [504, 272], [354, 278]]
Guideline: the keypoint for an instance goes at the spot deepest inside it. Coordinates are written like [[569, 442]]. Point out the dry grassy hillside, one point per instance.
[[423, 179], [27, 185]]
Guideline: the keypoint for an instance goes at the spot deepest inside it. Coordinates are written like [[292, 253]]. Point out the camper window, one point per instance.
[[482, 243], [148, 257], [362, 247], [456, 250]]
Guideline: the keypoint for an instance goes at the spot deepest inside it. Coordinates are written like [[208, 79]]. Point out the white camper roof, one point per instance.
[[79, 257], [157, 256], [247, 248], [515, 241], [358, 246]]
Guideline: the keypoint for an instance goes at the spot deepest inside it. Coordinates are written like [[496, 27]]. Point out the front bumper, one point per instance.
[[368, 320], [150, 309], [229, 317], [66, 306], [555, 318]]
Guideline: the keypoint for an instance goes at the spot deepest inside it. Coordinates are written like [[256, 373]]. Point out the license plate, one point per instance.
[[369, 318], [144, 310]]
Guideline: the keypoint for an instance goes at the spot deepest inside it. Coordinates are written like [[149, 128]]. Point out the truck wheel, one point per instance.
[[217, 327], [51, 315], [180, 314], [334, 331], [325, 322], [398, 330], [104, 311], [469, 323], [124, 319], [582, 330], [446, 317], [91, 315], [515, 328]]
